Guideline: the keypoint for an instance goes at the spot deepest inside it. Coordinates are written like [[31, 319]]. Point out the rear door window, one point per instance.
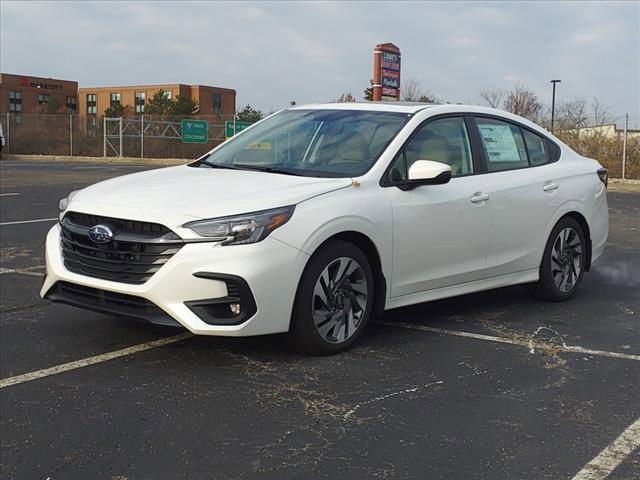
[[503, 144]]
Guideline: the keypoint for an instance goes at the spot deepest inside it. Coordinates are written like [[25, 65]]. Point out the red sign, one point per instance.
[[389, 92], [390, 74], [391, 66]]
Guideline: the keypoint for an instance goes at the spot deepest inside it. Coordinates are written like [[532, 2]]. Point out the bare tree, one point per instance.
[[428, 97], [345, 98], [601, 114], [493, 97], [571, 115], [523, 102], [411, 90]]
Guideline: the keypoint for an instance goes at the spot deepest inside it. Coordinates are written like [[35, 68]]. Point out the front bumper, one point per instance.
[[270, 268]]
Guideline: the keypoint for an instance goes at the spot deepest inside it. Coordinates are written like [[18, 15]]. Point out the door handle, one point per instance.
[[480, 197], [550, 187]]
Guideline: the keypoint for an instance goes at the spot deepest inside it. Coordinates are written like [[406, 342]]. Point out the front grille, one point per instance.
[[138, 250], [108, 302]]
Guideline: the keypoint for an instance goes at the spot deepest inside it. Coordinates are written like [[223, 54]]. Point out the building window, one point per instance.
[[139, 102], [167, 94], [43, 99], [91, 125], [71, 103], [115, 99], [15, 102], [217, 102], [91, 103]]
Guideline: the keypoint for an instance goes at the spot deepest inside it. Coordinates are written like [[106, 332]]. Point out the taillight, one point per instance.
[[603, 174]]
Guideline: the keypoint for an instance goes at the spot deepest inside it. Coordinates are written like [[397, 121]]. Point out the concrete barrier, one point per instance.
[[105, 160]]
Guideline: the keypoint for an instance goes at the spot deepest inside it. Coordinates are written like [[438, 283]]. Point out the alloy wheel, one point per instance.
[[566, 259], [339, 300]]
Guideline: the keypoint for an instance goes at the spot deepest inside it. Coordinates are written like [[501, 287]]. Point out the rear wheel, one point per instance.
[[334, 300], [563, 262]]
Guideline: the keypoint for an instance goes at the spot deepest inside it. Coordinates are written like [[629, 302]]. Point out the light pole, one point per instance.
[[553, 102]]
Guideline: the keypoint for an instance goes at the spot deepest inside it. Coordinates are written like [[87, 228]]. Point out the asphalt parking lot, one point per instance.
[[487, 386]]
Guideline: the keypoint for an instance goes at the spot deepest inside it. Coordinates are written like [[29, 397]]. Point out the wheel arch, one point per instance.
[[369, 248], [582, 221]]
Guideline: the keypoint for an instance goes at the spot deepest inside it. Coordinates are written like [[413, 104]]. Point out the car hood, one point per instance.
[[174, 195]]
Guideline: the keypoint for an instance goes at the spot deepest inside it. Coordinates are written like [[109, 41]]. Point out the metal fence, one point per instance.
[[147, 136], [141, 136], [620, 158]]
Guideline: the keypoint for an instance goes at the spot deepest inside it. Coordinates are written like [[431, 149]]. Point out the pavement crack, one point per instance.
[[389, 395]]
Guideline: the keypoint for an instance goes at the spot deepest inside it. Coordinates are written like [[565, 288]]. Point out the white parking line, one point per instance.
[[85, 362], [513, 341], [613, 455], [30, 221], [22, 271], [8, 194]]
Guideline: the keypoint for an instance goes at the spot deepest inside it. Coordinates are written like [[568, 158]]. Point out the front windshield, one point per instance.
[[322, 143]]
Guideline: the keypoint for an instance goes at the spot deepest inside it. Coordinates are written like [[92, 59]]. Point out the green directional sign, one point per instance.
[[194, 131], [228, 127]]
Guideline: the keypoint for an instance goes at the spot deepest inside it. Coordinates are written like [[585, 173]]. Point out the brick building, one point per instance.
[[23, 94], [211, 100], [26, 94]]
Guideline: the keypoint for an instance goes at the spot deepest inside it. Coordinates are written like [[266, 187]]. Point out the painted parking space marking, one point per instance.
[[529, 344], [9, 194], [30, 221], [381, 398], [613, 455], [85, 362], [21, 271]]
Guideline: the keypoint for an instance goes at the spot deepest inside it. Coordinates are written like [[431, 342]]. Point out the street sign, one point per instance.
[[228, 127], [194, 131]]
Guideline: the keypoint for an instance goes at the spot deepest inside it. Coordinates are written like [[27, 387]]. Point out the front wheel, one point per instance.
[[334, 300], [563, 263]]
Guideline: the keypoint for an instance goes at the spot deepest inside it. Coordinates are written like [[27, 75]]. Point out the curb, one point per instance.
[[105, 160]]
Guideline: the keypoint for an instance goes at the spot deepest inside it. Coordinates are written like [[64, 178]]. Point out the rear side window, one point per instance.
[[503, 144], [535, 148]]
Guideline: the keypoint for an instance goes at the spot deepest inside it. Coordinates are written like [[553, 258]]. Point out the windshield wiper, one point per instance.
[[219, 165], [256, 168], [271, 169]]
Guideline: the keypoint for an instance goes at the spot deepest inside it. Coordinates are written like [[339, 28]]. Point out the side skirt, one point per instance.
[[527, 276]]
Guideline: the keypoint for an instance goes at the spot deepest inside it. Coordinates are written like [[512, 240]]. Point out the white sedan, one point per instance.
[[319, 217]]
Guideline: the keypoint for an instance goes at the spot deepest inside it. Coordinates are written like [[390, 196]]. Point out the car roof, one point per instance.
[[401, 107]]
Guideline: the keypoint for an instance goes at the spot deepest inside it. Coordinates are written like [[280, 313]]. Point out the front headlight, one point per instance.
[[242, 229], [64, 202]]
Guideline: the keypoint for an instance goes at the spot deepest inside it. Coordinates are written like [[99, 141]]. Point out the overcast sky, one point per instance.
[[272, 53]]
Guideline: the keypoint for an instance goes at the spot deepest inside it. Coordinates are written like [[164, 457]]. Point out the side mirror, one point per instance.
[[427, 172]]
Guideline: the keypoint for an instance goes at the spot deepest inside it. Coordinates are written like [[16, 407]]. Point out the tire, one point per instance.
[[331, 309], [563, 262]]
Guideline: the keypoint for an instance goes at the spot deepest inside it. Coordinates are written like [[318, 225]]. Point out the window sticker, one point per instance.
[[499, 143]]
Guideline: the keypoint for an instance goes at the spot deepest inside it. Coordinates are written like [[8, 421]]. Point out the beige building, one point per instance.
[[609, 131], [211, 100]]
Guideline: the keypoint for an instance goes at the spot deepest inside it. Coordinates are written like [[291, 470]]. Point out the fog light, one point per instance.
[[235, 308]]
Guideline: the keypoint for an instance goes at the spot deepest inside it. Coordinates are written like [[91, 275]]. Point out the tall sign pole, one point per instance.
[[376, 94], [553, 103], [386, 72]]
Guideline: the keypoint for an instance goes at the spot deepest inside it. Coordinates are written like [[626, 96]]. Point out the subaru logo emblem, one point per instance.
[[100, 234]]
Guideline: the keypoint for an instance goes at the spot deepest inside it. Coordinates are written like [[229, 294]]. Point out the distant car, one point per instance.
[[319, 217]]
